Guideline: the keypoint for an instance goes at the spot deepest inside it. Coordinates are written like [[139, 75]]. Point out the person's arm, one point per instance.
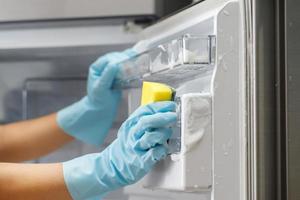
[[32, 181], [31, 139]]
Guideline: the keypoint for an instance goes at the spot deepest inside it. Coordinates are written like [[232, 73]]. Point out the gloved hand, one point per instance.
[[139, 145], [90, 119]]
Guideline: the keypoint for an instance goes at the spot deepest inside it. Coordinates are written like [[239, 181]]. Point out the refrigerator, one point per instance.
[[233, 66]]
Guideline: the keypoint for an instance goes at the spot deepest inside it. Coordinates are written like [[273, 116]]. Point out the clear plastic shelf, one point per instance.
[[171, 62]]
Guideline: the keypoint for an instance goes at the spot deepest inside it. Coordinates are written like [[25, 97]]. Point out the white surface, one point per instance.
[[65, 36], [196, 119], [196, 141], [11, 10]]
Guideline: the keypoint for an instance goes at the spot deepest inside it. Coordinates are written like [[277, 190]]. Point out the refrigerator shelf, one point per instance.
[[172, 62]]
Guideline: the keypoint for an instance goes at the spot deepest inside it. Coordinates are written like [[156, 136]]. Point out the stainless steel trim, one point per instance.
[[262, 95], [281, 100], [251, 166], [292, 97]]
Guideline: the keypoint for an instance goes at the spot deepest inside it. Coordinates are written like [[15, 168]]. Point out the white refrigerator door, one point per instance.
[[215, 166]]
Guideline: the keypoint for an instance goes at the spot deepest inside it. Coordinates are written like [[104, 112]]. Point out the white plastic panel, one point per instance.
[[196, 141], [229, 100]]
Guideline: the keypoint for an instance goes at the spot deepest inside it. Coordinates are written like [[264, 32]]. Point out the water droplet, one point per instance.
[[230, 143], [202, 169], [225, 67], [216, 86], [231, 40], [224, 147], [225, 153], [290, 78], [226, 13], [220, 57]]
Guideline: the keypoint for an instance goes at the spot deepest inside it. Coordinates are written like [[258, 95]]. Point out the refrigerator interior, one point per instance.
[[39, 77]]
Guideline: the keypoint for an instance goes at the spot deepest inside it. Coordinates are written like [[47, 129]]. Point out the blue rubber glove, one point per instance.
[[90, 119], [139, 145]]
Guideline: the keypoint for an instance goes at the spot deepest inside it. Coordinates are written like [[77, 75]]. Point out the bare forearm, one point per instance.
[[32, 181], [30, 139]]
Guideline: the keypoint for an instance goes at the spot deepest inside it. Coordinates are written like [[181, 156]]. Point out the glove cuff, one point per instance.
[[79, 121], [83, 177]]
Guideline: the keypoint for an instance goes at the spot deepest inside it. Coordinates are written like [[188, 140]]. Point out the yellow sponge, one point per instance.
[[153, 92]]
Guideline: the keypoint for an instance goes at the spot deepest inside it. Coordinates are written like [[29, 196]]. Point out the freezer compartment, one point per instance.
[[173, 62]]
